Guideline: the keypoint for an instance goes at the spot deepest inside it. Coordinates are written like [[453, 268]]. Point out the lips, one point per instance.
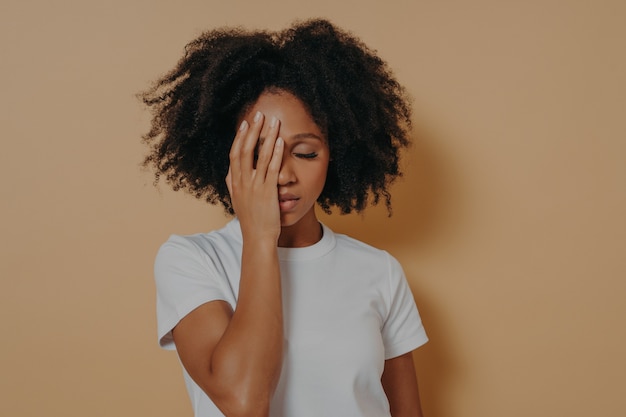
[[287, 201]]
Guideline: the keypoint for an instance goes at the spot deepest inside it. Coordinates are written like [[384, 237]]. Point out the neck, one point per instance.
[[306, 232]]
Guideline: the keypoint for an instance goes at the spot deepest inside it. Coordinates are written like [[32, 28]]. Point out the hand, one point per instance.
[[253, 187]]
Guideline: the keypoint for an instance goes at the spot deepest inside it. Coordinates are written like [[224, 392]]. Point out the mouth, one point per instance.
[[287, 202]]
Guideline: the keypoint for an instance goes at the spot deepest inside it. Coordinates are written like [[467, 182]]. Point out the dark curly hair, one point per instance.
[[349, 91]]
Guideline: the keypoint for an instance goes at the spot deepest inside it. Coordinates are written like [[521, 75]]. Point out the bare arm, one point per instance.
[[236, 356], [400, 384]]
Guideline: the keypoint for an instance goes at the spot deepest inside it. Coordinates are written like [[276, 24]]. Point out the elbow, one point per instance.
[[241, 392], [239, 400], [237, 405]]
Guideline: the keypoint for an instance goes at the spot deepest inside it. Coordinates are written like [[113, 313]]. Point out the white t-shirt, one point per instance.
[[346, 305]]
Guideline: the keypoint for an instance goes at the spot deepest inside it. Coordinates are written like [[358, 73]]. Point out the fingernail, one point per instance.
[[273, 121], [257, 116], [243, 125]]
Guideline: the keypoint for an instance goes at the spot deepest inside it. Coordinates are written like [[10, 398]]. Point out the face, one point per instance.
[[305, 158]]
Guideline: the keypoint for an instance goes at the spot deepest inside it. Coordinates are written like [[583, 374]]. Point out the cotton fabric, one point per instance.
[[347, 308]]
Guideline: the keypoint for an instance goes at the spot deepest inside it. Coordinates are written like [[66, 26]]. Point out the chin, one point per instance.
[[285, 223], [289, 219], [300, 215]]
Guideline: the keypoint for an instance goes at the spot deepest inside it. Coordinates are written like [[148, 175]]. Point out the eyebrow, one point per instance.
[[306, 136], [298, 136]]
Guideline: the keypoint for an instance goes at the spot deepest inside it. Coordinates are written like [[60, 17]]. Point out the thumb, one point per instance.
[[229, 182]]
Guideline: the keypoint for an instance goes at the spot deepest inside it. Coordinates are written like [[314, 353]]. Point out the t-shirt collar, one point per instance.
[[316, 250]]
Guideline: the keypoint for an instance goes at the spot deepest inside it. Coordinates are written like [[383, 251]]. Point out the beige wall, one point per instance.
[[509, 221]]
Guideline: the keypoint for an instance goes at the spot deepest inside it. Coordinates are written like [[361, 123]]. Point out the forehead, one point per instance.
[[290, 110]]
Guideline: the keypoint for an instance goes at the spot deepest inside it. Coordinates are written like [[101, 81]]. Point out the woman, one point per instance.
[[276, 315]]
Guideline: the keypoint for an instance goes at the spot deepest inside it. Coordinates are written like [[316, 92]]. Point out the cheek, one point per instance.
[[321, 175], [315, 178]]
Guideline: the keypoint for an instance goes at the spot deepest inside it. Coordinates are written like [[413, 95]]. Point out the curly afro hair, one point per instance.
[[349, 91]]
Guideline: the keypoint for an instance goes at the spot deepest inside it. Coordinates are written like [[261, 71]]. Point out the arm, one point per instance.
[[236, 356], [400, 384]]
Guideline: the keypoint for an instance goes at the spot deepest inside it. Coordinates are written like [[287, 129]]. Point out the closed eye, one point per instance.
[[306, 155]]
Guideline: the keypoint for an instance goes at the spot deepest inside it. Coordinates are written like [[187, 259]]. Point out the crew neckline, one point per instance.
[[314, 251]]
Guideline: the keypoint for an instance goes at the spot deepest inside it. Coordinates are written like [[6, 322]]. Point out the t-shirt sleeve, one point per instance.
[[185, 279], [402, 330]]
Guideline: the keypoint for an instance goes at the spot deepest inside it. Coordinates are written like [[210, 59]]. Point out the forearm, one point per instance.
[[242, 357], [246, 362], [400, 385]]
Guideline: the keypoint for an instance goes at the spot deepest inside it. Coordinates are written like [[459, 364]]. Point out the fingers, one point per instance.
[[244, 145], [229, 182], [266, 150], [235, 149], [249, 144], [273, 168], [253, 187], [246, 142]]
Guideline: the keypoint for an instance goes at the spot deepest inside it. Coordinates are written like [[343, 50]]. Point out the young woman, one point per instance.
[[276, 315]]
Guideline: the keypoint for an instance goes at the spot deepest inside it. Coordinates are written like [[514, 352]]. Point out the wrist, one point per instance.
[[260, 240]]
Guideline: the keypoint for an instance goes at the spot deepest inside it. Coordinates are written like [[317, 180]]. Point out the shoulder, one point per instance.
[[349, 243], [199, 248], [365, 253], [188, 246]]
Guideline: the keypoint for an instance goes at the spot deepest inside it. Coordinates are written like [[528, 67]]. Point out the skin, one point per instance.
[[236, 356]]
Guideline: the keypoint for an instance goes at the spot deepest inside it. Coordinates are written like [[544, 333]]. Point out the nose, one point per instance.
[[286, 175]]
